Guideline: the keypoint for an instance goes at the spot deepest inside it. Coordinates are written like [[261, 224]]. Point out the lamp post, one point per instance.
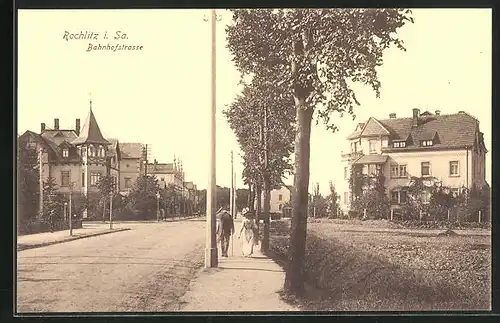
[[70, 208], [211, 243], [111, 210], [65, 209]]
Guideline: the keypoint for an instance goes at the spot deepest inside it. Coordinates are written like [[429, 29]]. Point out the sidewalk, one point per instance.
[[238, 284], [37, 240]]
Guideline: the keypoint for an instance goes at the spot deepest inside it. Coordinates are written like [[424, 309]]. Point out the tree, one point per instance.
[[242, 195], [262, 119], [373, 197], [333, 202], [316, 54], [27, 184], [105, 185], [142, 197], [52, 202]]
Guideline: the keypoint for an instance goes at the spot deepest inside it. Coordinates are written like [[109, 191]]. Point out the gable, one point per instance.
[[373, 128]]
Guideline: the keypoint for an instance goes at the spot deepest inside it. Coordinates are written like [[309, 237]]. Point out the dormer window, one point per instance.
[[65, 152], [399, 144], [426, 143]]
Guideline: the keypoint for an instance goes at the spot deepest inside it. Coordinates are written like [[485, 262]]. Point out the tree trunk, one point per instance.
[[265, 215], [258, 196], [266, 186], [104, 209], [294, 280], [249, 198]]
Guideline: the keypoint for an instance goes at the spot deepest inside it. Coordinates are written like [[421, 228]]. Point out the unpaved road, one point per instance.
[[145, 269]]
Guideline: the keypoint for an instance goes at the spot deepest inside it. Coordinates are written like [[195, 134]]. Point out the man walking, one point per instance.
[[225, 228]]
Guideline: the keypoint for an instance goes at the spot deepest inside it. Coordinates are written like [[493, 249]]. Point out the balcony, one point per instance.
[[351, 155]]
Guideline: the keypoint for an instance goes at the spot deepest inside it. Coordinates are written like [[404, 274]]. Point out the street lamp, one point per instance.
[[65, 208], [111, 210]]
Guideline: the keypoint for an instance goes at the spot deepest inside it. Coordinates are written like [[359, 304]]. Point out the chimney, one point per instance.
[[392, 115], [77, 127], [42, 127], [56, 124], [461, 112], [437, 112], [416, 114]]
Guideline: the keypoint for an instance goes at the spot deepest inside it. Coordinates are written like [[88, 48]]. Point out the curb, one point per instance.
[[44, 244]]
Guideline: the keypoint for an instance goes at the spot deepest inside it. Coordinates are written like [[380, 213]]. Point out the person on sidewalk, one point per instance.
[[225, 229], [248, 226]]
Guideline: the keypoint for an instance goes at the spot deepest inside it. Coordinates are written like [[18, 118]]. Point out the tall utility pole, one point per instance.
[[235, 208], [111, 210], [231, 192], [146, 161], [211, 243]]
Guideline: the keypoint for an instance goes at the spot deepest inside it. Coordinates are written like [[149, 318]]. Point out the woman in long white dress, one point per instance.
[[248, 227]]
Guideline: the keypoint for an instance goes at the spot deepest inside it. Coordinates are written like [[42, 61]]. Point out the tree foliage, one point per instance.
[[142, 198], [333, 202], [373, 197], [315, 55]]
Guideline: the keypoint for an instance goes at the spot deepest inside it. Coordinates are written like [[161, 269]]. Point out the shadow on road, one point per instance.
[[254, 269]]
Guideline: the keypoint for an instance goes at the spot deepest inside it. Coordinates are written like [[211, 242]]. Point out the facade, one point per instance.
[[74, 158], [447, 149], [278, 199], [167, 174], [131, 164]]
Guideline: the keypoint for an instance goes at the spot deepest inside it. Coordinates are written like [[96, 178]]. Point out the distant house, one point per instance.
[[279, 199], [131, 164], [443, 148]]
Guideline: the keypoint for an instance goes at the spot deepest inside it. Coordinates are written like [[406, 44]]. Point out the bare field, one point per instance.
[[359, 267]]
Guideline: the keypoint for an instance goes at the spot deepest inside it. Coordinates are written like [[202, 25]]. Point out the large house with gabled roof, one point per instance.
[[444, 148], [75, 158]]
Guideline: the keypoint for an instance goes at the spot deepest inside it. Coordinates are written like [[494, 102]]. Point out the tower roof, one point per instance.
[[90, 133]]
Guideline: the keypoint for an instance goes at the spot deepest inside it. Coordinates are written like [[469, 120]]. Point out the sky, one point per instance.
[[160, 95]]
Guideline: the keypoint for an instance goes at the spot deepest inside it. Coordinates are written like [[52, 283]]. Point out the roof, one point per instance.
[[373, 128], [162, 168], [90, 133], [448, 130], [371, 159], [130, 149], [452, 130], [58, 136]]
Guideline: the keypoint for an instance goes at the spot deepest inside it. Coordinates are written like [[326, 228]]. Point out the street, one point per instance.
[[147, 268]]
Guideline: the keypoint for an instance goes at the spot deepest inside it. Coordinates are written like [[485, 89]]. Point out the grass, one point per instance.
[[357, 267]]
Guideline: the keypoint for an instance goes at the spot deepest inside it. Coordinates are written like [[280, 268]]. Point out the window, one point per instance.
[[426, 169], [385, 143], [91, 151], [345, 172], [374, 169], [398, 171], [346, 197], [454, 168], [398, 197], [65, 178], [399, 144], [279, 207], [402, 196], [102, 152], [280, 197], [94, 178], [394, 171], [402, 171], [371, 145], [65, 152], [128, 182], [426, 143], [426, 197], [395, 197], [83, 179]]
